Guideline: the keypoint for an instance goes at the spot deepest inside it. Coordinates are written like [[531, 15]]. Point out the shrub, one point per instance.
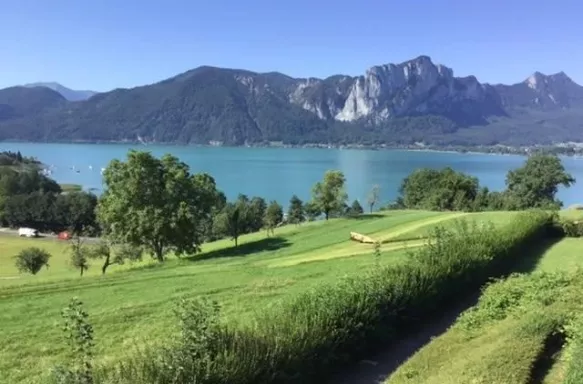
[[79, 334], [301, 340], [571, 228], [31, 260], [573, 353]]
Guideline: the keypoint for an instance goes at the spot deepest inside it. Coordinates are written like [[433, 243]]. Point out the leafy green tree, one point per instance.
[[273, 216], [329, 194], [536, 183], [79, 255], [31, 260], [356, 208], [156, 204], [232, 221], [374, 196], [255, 214], [312, 210], [439, 190], [295, 212], [76, 211], [114, 255]]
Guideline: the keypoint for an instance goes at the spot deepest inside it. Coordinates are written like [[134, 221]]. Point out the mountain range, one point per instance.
[[67, 93], [414, 101]]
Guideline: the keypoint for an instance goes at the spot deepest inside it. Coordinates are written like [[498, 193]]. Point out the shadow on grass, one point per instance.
[[379, 365], [366, 216], [246, 249]]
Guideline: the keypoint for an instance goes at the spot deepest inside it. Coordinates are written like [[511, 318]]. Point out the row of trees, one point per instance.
[[28, 198], [533, 185], [157, 206]]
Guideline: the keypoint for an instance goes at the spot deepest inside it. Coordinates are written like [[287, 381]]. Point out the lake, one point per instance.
[[278, 173]]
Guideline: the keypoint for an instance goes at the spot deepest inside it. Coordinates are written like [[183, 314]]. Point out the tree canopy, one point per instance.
[[156, 204], [329, 194], [273, 216], [441, 190], [295, 212], [536, 183]]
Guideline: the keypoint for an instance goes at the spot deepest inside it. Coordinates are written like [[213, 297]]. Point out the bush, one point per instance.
[[31, 260], [573, 353], [79, 333], [302, 340], [571, 228]]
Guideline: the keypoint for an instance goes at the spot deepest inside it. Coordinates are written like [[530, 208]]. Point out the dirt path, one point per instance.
[[378, 367]]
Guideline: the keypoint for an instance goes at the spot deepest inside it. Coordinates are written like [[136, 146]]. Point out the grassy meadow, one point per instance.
[[131, 304], [515, 334]]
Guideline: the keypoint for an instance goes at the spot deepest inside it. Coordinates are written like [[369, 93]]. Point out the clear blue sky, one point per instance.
[[104, 44]]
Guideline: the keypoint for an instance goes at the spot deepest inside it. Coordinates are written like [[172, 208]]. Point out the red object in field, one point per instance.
[[64, 236]]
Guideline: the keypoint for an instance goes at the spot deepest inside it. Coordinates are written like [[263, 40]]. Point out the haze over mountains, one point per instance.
[[414, 101], [67, 93]]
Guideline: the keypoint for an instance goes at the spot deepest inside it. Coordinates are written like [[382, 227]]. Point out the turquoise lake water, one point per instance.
[[278, 173]]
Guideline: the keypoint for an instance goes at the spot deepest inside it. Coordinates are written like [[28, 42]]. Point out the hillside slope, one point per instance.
[[416, 100]]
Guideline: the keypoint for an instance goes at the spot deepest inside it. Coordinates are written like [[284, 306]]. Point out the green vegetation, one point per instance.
[[30, 199], [345, 320], [534, 185], [525, 329], [270, 302], [329, 195], [31, 260], [133, 302], [156, 204]]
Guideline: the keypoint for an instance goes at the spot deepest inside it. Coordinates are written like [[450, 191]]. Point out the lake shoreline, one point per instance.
[[277, 175], [575, 149]]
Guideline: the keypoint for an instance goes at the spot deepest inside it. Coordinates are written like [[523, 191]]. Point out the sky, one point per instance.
[[105, 44]]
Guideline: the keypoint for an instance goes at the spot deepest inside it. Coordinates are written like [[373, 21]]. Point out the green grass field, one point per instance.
[[132, 303], [508, 336]]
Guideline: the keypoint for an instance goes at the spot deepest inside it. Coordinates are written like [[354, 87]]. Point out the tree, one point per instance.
[[312, 210], [439, 190], [536, 183], [232, 220], [255, 214], [374, 196], [273, 216], [78, 211], [329, 194], [31, 260], [114, 255], [295, 212], [356, 208], [79, 255], [156, 204]]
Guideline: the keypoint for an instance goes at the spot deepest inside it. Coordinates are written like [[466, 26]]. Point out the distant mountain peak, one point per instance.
[[417, 99], [67, 93], [539, 80]]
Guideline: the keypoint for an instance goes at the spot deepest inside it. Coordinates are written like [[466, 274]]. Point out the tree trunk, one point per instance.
[[327, 214], [236, 244], [105, 265], [81, 271], [371, 207], [159, 252]]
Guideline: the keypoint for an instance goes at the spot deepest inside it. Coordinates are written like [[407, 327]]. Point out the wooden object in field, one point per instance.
[[361, 238]]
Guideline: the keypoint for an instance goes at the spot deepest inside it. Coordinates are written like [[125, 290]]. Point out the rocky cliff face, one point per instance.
[[420, 87]]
